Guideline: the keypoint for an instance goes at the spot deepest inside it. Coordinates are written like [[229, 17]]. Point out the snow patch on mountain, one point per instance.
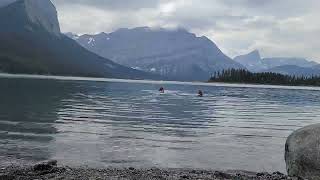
[[91, 41]]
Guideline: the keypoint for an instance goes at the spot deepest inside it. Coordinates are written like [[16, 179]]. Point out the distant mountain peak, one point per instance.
[[251, 60], [283, 65], [255, 53], [143, 28], [102, 34], [173, 53]]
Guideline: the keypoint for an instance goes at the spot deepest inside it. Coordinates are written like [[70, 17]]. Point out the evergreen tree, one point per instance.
[[244, 76]]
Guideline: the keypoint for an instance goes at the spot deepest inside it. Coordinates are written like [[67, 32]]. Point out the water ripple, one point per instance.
[[131, 124]]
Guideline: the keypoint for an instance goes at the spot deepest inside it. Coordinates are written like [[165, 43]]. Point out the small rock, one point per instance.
[[42, 167], [260, 174], [46, 166], [131, 169], [184, 177], [219, 174], [52, 162], [278, 173]]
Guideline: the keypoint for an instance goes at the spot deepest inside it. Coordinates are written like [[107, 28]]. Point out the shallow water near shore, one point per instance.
[[122, 124]]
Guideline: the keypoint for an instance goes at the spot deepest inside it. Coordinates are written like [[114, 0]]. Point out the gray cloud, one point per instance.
[[276, 27], [111, 4]]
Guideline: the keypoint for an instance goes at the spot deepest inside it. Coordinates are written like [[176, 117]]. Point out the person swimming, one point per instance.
[[161, 90], [200, 93]]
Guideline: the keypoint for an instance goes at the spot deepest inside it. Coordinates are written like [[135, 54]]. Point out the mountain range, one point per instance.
[[283, 65], [31, 42], [176, 54]]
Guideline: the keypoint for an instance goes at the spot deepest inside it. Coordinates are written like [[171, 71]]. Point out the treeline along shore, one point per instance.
[[245, 76]]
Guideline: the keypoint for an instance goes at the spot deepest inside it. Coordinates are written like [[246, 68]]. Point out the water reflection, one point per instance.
[[28, 112], [126, 124]]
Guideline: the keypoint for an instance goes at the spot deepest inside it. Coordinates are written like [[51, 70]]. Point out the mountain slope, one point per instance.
[[295, 70], [283, 65], [251, 61], [31, 42], [176, 54], [282, 61], [6, 2]]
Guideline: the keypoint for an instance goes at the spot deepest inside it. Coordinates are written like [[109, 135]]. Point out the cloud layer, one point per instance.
[[275, 27]]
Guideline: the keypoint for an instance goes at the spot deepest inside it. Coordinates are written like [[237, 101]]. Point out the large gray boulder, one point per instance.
[[302, 153]]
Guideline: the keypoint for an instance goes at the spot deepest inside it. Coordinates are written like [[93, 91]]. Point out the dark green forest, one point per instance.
[[244, 76]]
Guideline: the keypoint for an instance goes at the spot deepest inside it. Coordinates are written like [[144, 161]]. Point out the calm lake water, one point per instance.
[[101, 124]]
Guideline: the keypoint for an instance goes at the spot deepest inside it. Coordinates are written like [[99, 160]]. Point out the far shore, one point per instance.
[[208, 84]]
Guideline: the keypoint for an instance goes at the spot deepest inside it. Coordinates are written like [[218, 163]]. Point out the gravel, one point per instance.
[[50, 171]]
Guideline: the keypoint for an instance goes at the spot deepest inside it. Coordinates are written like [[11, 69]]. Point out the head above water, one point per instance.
[[161, 89]]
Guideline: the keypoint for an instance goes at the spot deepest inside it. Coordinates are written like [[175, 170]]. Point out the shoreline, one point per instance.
[[160, 82], [50, 171]]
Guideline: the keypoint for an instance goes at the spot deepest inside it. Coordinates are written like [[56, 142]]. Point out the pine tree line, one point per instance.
[[245, 76]]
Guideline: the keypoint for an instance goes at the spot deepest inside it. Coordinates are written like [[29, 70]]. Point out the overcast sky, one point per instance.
[[275, 27]]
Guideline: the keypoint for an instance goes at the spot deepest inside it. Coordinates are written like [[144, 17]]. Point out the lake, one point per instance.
[[120, 123]]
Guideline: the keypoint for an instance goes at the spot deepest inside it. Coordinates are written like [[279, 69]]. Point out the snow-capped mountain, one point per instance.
[[291, 66], [31, 42], [177, 54]]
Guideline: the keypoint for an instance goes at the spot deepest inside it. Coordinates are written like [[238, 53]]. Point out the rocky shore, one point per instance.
[[50, 171]]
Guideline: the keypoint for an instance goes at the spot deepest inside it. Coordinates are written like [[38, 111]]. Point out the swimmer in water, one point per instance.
[[161, 90], [200, 93]]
